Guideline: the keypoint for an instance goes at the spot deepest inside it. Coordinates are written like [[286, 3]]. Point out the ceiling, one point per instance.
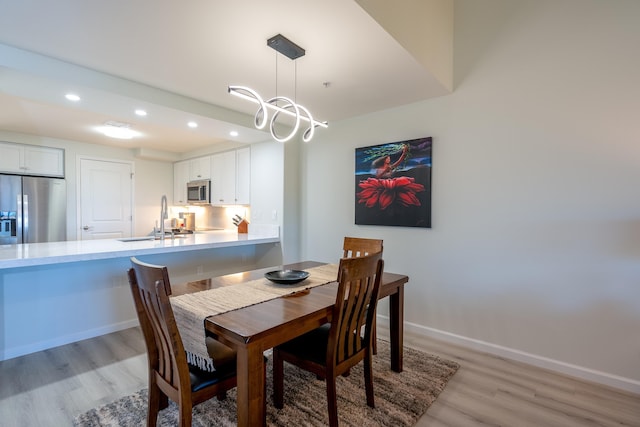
[[176, 59]]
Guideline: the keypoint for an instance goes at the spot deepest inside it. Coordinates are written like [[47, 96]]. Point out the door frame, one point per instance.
[[79, 159]]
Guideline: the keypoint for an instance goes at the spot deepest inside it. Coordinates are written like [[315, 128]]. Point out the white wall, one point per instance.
[[267, 182], [535, 247], [267, 194], [275, 192], [152, 178]]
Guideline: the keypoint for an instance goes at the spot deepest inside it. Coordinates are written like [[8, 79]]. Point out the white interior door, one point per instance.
[[106, 205]]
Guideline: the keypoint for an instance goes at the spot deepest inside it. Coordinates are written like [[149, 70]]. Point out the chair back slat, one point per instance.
[[162, 335], [358, 289]]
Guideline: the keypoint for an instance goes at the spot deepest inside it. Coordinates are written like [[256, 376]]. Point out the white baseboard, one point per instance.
[[604, 378], [10, 353]]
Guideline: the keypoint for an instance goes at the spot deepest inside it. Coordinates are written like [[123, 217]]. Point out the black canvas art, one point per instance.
[[393, 184]]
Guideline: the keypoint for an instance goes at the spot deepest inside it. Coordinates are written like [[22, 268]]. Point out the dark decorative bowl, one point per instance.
[[286, 277]]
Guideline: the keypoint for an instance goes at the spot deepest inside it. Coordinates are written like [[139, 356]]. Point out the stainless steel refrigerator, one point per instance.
[[32, 209]]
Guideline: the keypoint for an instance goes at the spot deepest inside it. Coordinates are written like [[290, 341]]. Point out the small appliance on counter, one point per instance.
[[241, 223], [189, 220]]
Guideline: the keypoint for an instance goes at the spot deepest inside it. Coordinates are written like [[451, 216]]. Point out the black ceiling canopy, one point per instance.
[[285, 46]]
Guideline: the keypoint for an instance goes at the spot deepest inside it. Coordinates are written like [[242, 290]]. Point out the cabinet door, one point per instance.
[[43, 161], [180, 179], [11, 158], [223, 178], [243, 176], [200, 168]]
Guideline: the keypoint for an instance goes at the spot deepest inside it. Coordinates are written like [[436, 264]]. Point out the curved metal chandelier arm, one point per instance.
[[253, 96], [308, 133], [283, 109], [299, 113]]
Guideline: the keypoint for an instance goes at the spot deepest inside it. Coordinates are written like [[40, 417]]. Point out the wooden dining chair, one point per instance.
[[170, 375], [356, 247], [334, 348]]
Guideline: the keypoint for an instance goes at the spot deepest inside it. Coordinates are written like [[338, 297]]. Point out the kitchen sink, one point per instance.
[[143, 238], [136, 239]]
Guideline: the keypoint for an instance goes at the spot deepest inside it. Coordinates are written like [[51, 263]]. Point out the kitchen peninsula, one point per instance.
[[60, 292]]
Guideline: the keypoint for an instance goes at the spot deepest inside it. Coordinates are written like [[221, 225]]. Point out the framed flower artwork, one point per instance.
[[393, 184]]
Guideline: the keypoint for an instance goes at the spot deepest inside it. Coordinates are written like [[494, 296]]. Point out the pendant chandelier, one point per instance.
[[280, 104]]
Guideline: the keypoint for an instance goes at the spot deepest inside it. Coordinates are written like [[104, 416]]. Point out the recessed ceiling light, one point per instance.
[[192, 125], [118, 130], [233, 133], [141, 112], [72, 97]]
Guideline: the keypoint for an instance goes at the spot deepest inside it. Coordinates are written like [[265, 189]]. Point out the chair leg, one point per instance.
[[153, 406], [332, 401], [368, 379], [186, 412], [374, 337], [278, 379]]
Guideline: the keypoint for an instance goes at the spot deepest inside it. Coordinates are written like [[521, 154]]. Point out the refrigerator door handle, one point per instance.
[[25, 221], [19, 216]]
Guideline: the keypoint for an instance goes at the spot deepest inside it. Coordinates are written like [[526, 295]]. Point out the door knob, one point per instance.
[[85, 228]]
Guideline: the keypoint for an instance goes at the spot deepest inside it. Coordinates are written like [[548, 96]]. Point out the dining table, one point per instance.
[[254, 329]]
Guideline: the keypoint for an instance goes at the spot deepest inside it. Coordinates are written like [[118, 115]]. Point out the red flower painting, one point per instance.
[[385, 192], [393, 184]]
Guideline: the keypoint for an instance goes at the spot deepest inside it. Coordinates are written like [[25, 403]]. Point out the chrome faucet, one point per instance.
[[164, 214]]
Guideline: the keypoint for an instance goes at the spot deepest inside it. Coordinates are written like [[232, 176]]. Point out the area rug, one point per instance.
[[400, 398]]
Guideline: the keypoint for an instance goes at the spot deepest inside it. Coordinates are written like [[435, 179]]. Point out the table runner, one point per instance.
[[190, 310]]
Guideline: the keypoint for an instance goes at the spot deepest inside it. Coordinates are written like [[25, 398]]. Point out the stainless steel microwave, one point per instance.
[[199, 192]]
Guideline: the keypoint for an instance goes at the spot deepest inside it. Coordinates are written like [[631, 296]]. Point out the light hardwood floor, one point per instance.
[[50, 387]]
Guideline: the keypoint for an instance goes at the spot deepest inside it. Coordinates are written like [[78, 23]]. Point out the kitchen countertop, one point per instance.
[[33, 254]]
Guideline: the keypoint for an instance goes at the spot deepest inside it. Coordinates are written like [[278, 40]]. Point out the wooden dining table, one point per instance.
[[254, 329]]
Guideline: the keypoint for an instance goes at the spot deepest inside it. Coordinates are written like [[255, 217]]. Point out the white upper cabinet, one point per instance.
[[231, 177], [11, 157], [223, 178], [200, 168], [180, 179], [31, 160]]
